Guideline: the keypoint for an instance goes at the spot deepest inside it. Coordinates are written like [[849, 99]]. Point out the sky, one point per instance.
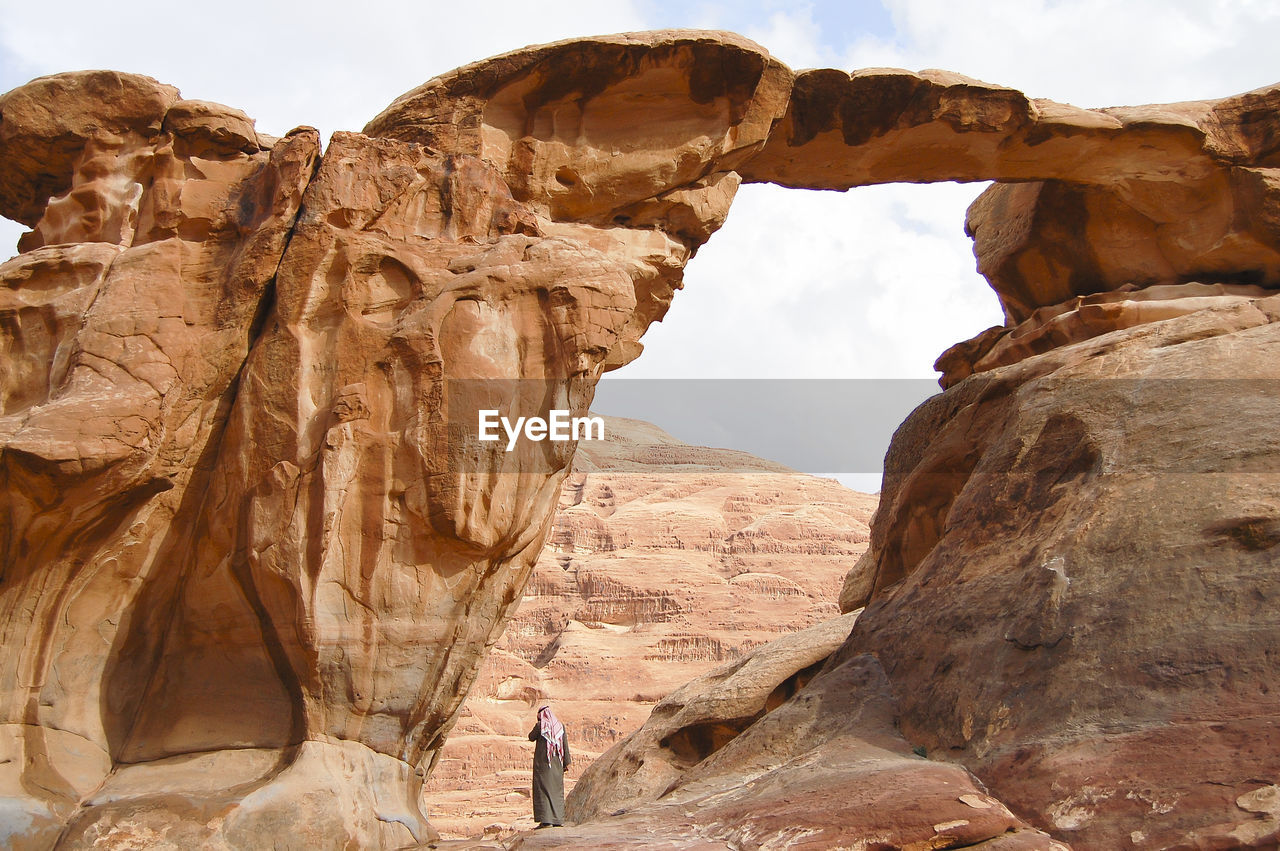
[[872, 283]]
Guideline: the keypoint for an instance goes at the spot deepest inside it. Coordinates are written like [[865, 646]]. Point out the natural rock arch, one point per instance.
[[235, 544]]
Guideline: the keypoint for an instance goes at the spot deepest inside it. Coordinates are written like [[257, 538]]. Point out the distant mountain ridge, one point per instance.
[[664, 560]]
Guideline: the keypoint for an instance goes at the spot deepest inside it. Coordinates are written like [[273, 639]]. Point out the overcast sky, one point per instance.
[[875, 282]]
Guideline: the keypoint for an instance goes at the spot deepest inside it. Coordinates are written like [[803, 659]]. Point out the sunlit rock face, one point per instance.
[[250, 565], [126, 322], [1072, 567], [777, 746], [631, 143], [346, 568]]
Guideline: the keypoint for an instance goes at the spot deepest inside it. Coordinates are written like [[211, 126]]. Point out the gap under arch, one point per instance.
[[802, 289]]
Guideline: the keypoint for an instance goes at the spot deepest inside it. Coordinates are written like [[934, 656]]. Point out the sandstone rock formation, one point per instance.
[[634, 139], [249, 536], [704, 715], [254, 553], [1067, 585], [734, 763], [127, 321], [1093, 200], [1093, 531], [664, 560]]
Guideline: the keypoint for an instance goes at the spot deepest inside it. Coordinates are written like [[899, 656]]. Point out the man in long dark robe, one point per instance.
[[550, 759]]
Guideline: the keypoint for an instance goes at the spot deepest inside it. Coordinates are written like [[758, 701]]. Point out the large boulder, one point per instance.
[[1070, 573]]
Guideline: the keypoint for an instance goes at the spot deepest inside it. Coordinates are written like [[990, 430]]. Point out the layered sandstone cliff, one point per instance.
[[253, 553], [664, 560]]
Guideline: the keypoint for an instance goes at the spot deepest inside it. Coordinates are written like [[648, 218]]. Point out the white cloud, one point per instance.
[[793, 37], [1091, 52], [9, 233], [331, 65], [874, 282]]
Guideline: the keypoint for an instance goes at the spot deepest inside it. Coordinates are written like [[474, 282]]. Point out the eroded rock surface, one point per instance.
[[126, 321], [1073, 560], [734, 760], [634, 138], [1092, 200], [251, 563], [703, 716], [242, 526]]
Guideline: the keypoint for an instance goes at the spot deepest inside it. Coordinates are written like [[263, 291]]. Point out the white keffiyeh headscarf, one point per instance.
[[553, 732]]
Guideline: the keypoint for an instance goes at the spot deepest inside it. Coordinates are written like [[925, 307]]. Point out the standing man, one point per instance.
[[550, 759]]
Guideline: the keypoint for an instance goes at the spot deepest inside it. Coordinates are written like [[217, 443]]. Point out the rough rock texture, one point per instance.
[[664, 561], [701, 717], [737, 763], [1067, 593], [245, 538], [242, 524], [252, 555], [1073, 564], [636, 136], [337, 590], [125, 323]]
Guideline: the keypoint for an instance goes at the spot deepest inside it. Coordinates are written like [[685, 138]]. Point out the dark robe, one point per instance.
[[548, 779]]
